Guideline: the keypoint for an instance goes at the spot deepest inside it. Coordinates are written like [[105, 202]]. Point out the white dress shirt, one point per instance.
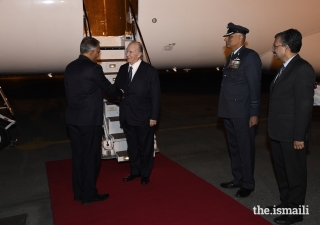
[[135, 67]]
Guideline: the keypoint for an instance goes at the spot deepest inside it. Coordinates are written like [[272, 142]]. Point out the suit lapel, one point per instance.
[[235, 55], [284, 72], [139, 72], [288, 67], [239, 52]]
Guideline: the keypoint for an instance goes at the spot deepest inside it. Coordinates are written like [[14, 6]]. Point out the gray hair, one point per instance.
[[140, 48], [88, 44], [243, 36]]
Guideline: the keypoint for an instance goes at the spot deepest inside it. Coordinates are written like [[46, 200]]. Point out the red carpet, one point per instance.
[[174, 196]]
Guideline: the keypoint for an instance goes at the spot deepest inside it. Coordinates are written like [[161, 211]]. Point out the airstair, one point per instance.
[[112, 57]]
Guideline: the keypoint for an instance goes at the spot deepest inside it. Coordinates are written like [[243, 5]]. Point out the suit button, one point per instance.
[[220, 94], [270, 112], [270, 100], [235, 100], [225, 75], [221, 85]]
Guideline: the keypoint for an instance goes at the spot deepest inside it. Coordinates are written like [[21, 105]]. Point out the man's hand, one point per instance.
[[298, 145], [153, 123], [253, 121]]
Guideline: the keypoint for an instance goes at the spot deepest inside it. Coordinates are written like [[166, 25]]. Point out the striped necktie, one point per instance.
[[280, 71], [129, 76]]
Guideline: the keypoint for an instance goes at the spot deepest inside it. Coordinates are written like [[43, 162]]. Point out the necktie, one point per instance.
[[280, 71], [129, 76]]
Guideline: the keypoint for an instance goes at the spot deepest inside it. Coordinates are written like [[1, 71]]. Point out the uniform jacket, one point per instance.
[[84, 82], [291, 102], [240, 87], [142, 98]]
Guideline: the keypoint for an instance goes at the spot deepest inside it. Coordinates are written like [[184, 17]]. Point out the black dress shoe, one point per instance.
[[97, 198], [244, 192], [130, 177], [288, 219], [145, 180], [230, 185], [281, 219], [77, 199]]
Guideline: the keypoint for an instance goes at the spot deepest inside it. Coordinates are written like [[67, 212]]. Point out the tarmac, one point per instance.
[[188, 132]]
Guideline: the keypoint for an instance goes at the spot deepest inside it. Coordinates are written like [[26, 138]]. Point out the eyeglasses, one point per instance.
[[99, 52], [275, 46]]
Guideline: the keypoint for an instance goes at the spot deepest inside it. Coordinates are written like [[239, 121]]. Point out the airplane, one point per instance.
[[43, 36]]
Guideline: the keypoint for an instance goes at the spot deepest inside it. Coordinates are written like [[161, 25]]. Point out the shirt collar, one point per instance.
[[135, 65], [237, 50], [286, 63]]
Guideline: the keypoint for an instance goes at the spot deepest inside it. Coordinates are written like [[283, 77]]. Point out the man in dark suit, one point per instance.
[[84, 82], [139, 110], [239, 104], [290, 112]]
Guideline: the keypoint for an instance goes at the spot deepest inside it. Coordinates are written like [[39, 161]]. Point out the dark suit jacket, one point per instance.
[[142, 98], [291, 102], [84, 81], [240, 88]]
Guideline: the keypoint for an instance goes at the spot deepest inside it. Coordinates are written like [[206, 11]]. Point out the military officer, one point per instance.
[[239, 104]]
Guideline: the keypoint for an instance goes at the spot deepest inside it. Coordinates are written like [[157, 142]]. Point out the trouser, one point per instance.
[[140, 141], [291, 172], [86, 157], [241, 141]]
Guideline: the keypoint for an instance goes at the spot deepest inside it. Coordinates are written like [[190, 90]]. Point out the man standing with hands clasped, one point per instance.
[[239, 104], [139, 110], [290, 112]]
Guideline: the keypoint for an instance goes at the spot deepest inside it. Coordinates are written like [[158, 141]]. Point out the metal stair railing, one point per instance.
[[86, 24], [138, 28]]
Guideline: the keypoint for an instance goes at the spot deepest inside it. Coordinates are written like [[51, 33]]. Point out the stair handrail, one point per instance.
[[86, 23], [6, 102], [138, 28]]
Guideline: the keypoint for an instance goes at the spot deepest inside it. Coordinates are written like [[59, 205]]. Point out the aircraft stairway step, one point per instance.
[[114, 41], [111, 66], [113, 124], [122, 156], [119, 136], [111, 109]]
